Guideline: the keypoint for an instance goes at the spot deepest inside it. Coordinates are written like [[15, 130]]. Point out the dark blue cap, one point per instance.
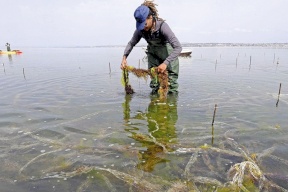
[[141, 14]]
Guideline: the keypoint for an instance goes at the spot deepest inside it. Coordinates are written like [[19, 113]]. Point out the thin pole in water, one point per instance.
[[212, 138], [214, 114], [278, 95], [278, 61], [109, 68], [250, 62], [24, 74], [4, 69]]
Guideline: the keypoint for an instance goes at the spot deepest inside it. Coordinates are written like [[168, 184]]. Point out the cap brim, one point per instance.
[[140, 26]]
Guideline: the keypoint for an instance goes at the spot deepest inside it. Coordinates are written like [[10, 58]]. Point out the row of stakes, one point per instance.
[[215, 67], [215, 63], [250, 61], [201, 56]]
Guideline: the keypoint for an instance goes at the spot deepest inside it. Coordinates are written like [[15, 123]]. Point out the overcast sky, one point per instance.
[[111, 22]]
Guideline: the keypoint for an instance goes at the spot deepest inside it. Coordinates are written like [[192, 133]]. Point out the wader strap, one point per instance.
[[161, 25]]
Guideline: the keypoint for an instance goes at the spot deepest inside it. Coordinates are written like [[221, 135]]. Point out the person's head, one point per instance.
[[144, 18], [146, 15]]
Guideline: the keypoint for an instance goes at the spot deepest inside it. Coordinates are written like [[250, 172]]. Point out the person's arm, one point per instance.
[[173, 41], [135, 39]]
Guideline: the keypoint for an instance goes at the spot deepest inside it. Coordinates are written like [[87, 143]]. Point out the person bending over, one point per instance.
[[163, 46]]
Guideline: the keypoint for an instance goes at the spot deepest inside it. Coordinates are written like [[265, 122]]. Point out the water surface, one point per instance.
[[67, 125]]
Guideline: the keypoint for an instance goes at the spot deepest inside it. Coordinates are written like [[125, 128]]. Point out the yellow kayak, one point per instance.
[[11, 52]]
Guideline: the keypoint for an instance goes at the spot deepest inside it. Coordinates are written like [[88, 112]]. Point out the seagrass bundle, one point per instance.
[[161, 78]]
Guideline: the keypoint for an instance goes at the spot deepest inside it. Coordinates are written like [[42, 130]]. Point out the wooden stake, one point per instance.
[[212, 138], [250, 63], [109, 68], [279, 90], [278, 95], [4, 69], [24, 74], [278, 61], [139, 64], [214, 114]]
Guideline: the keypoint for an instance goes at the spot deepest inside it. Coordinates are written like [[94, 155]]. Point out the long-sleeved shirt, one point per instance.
[[166, 36]]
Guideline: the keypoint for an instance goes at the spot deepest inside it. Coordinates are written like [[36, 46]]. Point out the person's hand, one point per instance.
[[162, 68], [123, 63]]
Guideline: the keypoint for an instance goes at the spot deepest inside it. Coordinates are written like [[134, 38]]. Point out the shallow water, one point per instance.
[[67, 125]]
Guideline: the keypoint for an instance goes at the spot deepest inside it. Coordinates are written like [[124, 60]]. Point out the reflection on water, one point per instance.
[[161, 117], [10, 58]]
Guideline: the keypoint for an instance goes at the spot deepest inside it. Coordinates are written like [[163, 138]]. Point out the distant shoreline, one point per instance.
[[268, 45], [277, 45], [280, 45]]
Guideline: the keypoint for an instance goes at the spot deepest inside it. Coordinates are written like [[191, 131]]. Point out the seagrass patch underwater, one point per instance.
[[67, 125]]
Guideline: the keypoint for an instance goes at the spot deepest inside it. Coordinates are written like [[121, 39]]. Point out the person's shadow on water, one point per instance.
[[161, 117]]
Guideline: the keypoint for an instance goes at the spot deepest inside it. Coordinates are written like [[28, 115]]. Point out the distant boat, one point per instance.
[[11, 52], [184, 52]]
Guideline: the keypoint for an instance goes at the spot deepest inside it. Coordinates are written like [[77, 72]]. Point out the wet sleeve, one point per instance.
[[173, 41], [135, 39]]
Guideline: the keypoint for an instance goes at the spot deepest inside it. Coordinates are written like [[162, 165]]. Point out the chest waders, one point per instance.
[[157, 51]]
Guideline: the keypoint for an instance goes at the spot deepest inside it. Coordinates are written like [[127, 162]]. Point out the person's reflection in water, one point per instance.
[[161, 118], [10, 58]]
